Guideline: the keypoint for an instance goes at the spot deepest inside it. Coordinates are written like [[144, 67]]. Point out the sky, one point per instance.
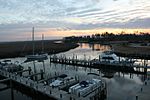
[[58, 18]]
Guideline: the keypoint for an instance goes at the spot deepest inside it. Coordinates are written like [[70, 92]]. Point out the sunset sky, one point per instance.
[[59, 18]]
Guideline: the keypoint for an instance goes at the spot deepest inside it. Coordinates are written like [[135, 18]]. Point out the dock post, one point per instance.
[[69, 60], [50, 61], [42, 74], [145, 72], [43, 66], [29, 68], [76, 59], [70, 98], [31, 77], [20, 74], [60, 95], [130, 75], [65, 59], [55, 65], [123, 74], [91, 69], [136, 97], [12, 92], [119, 58], [84, 60], [34, 69]]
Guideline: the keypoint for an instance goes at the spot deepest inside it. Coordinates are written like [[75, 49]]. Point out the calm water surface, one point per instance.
[[119, 87]]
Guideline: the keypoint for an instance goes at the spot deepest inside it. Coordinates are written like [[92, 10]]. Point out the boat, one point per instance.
[[39, 57], [84, 88], [60, 80], [111, 57], [9, 66], [109, 60]]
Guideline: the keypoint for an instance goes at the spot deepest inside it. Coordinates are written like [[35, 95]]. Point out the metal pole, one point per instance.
[[43, 43], [33, 39]]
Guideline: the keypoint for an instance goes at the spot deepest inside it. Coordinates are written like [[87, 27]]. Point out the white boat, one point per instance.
[[111, 57], [85, 87], [62, 79], [38, 57], [110, 60], [56, 83]]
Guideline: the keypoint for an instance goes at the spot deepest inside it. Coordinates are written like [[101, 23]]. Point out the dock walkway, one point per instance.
[[52, 93], [141, 69]]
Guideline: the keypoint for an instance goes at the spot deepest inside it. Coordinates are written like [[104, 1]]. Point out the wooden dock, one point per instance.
[[123, 67], [45, 91]]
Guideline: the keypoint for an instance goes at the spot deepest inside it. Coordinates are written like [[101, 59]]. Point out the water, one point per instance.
[[119, 86], [6, 94]]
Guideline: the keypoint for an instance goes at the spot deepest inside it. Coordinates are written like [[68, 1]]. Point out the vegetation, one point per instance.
[[142, 52], [107, 37], [21, 49]]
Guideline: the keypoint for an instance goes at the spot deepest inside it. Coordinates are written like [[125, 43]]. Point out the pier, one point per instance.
[[123, 67], [46, 92]]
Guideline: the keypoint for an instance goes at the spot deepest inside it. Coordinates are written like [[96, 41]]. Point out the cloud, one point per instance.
[[73, 14], [97, 11], [131, 24]]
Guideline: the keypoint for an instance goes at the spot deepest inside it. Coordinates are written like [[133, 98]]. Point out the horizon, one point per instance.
[[61, 18]]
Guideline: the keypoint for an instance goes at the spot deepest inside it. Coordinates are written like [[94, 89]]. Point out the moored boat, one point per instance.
[[109, 60], [38, 57], [111, 57], [9, 66], [86, 87]]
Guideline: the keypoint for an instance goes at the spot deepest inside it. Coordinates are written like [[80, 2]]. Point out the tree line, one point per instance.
[[107, 37]]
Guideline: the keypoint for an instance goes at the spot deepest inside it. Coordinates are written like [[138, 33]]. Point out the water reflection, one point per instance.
[[94, 47], [107, 73], [11, 94], [120, 86]]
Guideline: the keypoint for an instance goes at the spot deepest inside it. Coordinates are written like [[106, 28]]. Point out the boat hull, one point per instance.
[[39, 58]]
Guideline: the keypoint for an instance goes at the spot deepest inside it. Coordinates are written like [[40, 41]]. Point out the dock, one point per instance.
[[123, 67], [46, 92], [7, 79]]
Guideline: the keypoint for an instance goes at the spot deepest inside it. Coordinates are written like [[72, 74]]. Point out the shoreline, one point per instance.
[[23, 48], [133, 52], [125, 49]]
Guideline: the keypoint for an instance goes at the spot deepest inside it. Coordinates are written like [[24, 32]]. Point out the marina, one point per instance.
[[43, 81], [125, 66], [74, 50], [41, 89]]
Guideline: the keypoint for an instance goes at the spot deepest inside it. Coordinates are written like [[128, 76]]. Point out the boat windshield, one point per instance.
[[108, 52]]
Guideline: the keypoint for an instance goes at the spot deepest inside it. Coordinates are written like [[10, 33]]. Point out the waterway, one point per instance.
[[120, 86]]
